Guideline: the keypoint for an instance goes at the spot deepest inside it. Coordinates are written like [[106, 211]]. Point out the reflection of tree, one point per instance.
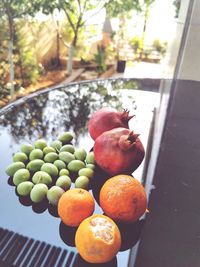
[[67, 108]]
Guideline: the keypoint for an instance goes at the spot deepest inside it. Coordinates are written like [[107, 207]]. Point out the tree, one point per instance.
[[121, 9], [12, 10], [145, 7], [75, 11]]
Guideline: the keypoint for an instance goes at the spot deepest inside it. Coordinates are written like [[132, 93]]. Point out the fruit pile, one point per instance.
[[41, 171]]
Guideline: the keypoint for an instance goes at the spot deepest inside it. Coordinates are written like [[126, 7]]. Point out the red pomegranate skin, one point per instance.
[[118, 151], [106, 119]]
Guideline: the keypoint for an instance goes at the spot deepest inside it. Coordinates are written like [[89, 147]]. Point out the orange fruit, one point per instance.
[[74, 206], [123, 198], [98, 239]]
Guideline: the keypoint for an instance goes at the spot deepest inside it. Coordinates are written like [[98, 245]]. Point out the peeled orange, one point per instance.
[[98, 239]]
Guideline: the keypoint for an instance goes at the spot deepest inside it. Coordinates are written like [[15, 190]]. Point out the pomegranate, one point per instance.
[[106, 119], [118, 151]]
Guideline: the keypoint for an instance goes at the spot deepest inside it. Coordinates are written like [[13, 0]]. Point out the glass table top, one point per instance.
[[46, 114]]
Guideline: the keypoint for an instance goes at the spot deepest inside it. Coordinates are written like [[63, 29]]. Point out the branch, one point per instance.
[[69, 19], [79, 4], [59, 34], [93, 14]]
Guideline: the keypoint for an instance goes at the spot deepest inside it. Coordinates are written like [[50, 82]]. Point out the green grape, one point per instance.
[[63, 172], [56, 145], [20, 176], [86, 172], [35, 165], [64, 182], [68, 148], [48, 149], [54, 194], [24, 188], [42, 177], [40, 144], [12, 168], [90, 166], [59, 164], [90, 158], [38, 192], [82, 182], [26, 148], [75, 165], [51, 169], [80, 154], [66, 157], [36, 154], [20, 156], [51, 157], [65, 137]]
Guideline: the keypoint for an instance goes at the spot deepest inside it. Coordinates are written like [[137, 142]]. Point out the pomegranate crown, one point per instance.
[[127, 142], [125, 115]]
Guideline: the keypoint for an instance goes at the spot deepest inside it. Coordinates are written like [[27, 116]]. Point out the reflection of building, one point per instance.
[[170, 234]]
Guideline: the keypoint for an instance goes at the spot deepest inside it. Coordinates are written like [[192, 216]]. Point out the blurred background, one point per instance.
[[44, 43]]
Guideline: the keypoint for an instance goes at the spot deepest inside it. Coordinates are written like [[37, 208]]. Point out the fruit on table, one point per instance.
[[86, 172], [20, 176], [118, 151], [82, 182], [56, 145], [80, 154], [123, 198], [42, 177], [26, 148], [12, 168], [40, 144], [98, 239], [75, 165], [66, 156], [74, 206], [54, 194], [59, 164], [24, 188], [35, 165], [20, 156], [90, 158], [48, 149], [90, 166], [68, 148], [38, 192], [66, 137], [64, 182], [36, 154], [63, 172], [51, 157], [50, 168], [106, 119]]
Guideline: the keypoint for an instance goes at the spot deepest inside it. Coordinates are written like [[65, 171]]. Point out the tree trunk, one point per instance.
[[10, 49], [70, 59], [57, 44], [71, 52], [146, 15]]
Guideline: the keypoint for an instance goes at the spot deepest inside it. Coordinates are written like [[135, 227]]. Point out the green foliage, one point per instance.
[[137, 44], [159, 46], [19, 8], [100, 59], [116, 7]]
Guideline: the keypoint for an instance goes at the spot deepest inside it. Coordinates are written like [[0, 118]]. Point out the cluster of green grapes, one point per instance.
[[41, 171]]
